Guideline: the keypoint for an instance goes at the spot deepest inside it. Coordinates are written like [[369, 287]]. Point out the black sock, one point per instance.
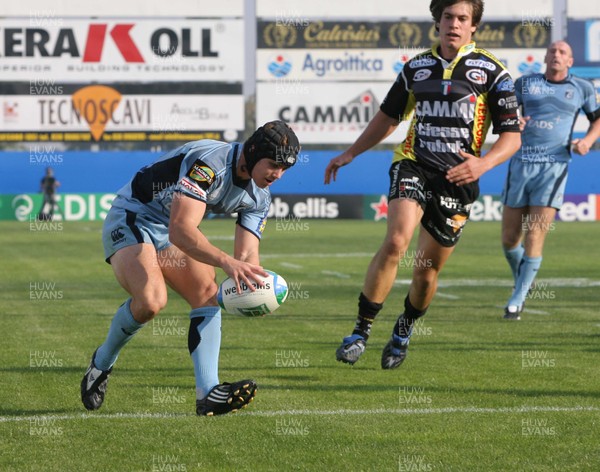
[[407, 319], [367, 311]]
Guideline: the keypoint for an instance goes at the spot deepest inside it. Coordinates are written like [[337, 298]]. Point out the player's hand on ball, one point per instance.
[[258, 299], [244, 273]]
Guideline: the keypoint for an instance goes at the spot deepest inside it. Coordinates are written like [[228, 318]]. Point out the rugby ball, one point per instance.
[[268, 296]]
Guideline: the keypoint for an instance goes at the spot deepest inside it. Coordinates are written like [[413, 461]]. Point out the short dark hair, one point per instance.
[[437, 7]]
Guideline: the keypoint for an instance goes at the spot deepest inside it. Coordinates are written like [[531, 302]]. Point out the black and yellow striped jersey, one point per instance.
[[451, 105]]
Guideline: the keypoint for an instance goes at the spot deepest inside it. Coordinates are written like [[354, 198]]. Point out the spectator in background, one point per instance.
[[537, 173], [48, 186]]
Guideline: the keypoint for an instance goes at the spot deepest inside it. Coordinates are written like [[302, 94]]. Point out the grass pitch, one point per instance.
[[476, 393]]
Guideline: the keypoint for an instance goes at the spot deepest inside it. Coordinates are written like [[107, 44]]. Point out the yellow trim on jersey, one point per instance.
[[497, 61], [481, 123], [405, 150], [463, 51]]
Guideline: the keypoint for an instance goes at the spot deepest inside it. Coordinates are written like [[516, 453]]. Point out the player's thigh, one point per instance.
[[512, 225], [137, 269], [404, 215], [193, 280], [430, 254]]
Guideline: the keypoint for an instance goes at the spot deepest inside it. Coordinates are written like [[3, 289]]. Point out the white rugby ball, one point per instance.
[[268, 296]]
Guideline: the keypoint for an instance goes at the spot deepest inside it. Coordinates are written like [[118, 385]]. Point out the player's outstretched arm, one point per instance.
[[379, 128], [246, 246], [473, 167], [186, 215]]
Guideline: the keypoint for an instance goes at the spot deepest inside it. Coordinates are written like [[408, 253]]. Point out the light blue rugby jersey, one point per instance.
[[203, 170], [554, 107]]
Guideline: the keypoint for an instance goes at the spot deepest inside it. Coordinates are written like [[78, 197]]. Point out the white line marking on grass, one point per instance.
[[426, 411], [317, 255], [290, 265], [86, 416], [407, 282], [535, 312], [340, 412], [447, 295], [335, 274], [553, 282]]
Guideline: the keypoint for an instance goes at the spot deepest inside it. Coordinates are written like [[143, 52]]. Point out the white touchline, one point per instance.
[[290, 265], [305, 255], [545, 283], [447, 295], [340, 412], [221, 238], [335, 274]]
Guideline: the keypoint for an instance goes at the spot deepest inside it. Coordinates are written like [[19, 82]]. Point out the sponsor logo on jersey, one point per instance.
[[480, 63], [446, 86], [262, 224], [117, 235], [479, 129], [569, 94], [540, 124], [441, 146], [421, 62], [411, 184], [510, 122], [201, 173], [508, 102], [506, 85], [427, 130], [477, 76], [462, 109], [454, 204], [457, 222], [190, 187], [422, 75]]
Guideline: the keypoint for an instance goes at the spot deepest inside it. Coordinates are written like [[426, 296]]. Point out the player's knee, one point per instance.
[[510, 238], [210, 291], [511, 234], [207, 294], [395, 246], [425, 278], [149, 307]]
